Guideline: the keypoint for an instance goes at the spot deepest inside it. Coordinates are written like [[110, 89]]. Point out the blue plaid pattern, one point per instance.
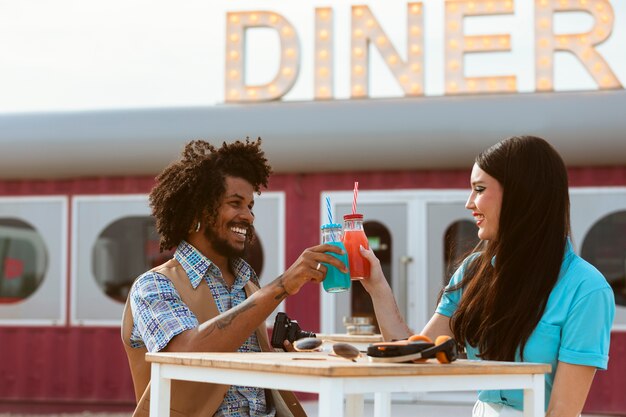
[[160, 314]]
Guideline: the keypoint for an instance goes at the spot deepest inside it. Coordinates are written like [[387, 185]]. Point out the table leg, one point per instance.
[[382, 404], [354, 405], [534, 397], [331, 398], [159, 393]]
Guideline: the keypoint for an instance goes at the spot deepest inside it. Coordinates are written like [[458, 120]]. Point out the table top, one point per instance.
[[327, 365]]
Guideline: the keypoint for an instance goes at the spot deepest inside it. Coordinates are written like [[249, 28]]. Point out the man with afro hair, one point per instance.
[[207, 299]]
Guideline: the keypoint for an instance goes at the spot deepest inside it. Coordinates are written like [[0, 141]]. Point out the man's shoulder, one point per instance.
[[154, 280], [170, 265]]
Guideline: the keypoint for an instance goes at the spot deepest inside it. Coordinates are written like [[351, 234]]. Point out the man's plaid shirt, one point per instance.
[[159, 315]]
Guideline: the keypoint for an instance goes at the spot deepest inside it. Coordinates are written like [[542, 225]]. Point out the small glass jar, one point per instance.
[[335, 280], [353, 238]]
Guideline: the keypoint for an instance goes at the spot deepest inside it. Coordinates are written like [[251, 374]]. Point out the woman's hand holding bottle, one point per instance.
[[376, 281]]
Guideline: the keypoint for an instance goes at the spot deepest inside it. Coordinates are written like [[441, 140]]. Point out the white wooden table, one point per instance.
[[335, 378]]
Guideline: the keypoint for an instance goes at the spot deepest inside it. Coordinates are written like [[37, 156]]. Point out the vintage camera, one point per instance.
[[286, 329]]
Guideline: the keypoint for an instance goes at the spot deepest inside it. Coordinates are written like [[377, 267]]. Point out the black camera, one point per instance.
[[286, 329]]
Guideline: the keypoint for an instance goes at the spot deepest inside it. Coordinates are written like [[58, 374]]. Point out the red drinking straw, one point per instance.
[[356, 194]]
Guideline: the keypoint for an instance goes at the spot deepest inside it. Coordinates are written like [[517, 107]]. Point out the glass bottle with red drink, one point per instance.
[[353, 238]]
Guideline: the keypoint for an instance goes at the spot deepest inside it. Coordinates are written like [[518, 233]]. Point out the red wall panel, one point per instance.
[[50, 369], [57, 369]]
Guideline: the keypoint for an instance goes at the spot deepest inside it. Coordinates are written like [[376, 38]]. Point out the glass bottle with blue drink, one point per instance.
[[335, 281]]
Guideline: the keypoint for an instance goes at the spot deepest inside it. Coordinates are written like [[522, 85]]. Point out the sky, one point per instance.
[[88, 55]]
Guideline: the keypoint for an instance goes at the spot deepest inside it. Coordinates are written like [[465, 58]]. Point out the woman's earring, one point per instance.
[[198, 227]]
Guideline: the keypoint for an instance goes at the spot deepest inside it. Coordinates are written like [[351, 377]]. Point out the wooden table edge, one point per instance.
[[321, 364]]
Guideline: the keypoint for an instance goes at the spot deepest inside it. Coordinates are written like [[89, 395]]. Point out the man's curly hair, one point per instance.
[[191, 188]]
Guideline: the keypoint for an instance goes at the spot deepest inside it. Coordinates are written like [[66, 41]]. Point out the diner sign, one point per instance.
[[419, 48]]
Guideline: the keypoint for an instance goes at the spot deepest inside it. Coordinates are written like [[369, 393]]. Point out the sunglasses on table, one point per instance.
[[313, 344]]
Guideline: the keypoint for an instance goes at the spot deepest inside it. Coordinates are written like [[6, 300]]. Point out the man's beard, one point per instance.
[[222, 247]]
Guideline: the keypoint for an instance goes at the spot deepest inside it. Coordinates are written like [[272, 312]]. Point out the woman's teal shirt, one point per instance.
[[575, 327]]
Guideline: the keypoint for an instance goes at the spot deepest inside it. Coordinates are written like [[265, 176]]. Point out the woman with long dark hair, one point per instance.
[[522, 294]]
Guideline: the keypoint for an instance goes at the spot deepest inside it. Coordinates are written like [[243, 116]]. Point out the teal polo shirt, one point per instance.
[[575, 327]]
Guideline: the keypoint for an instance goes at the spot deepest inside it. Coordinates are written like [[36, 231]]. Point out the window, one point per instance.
[[23, 260], [33, 257], [459, 239], [115, 241], [605, 248], [125, 249], [379, 240]]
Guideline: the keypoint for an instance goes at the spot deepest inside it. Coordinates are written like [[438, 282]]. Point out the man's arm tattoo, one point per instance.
[[223, 322], [283, 294]]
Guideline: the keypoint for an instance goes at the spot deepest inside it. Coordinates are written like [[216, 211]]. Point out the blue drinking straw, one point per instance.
[[330, 213], [330, 217]]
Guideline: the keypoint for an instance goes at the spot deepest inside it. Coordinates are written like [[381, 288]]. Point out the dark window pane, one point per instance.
[[124, 250], [460, 238], [605, 248], [380, 241], [23, 260]]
